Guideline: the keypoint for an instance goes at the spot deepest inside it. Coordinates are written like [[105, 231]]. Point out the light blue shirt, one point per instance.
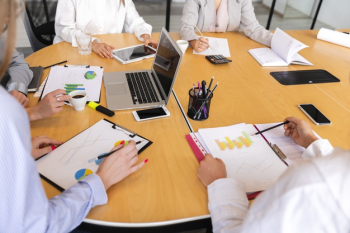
[[24, 206]]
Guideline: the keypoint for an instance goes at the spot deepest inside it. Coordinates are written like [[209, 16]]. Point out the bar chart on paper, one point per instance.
[[239, 142], [73, 87], [249, 159]]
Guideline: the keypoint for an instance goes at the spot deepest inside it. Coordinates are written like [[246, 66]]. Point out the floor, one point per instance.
[[153, 11]]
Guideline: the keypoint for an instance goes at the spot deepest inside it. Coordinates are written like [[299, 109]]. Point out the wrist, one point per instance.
[[310, 140], [32, 114], [104, 181], [145, 36]]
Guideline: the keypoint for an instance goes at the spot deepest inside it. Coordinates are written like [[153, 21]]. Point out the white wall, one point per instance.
[[280, 6], [303, 6], [335, 13]]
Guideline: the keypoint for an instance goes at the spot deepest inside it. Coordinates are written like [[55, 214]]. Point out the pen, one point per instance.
[[211, 81], [108, 154], [204, 88], [211, 92], [56, 64], [203, 36], [286, 122]]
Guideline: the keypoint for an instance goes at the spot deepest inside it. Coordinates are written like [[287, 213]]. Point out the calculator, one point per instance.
[[217, 59]]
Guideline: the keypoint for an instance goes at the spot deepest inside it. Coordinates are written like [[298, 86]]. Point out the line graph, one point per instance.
[[82, 145], [248, 168]]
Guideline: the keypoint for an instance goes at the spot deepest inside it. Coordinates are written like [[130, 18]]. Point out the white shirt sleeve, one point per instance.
[[318, 148], [65, 22], [228, 205], [134, 23]]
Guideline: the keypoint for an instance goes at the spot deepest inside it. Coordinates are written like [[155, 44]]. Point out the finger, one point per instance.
[[26, 102], [105, 54], [138, 166], [219, 160], [101, 55], [133, 161], [57, 92], [294, 120], [51, 141], [154, 42], [132, 154], [204, 40], [130, 147], [45, 150]]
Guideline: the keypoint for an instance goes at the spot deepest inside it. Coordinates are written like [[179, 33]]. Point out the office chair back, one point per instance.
[[39, 22]]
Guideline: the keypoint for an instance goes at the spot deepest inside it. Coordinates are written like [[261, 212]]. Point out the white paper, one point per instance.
[[334, 37], [40, 89], [219, 45], [290, 149], [62, 164], [256, 166], [59, 76], [266, 57]]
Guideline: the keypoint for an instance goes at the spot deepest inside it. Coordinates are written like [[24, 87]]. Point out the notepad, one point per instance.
[[68, 163], [218, 46], [284, 51]]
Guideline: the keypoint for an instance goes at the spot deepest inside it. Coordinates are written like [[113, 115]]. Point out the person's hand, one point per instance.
[[20, 97], [148, 41], [119, 165], [42, 145], [102, 49], [300, 131], [51, 104], [200, 45], [211, 169]]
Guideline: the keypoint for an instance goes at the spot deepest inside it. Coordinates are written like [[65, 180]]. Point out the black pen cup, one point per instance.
[[198, 106]]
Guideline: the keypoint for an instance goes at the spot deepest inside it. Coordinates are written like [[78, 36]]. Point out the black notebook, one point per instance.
[[35, 83], [304, 77]]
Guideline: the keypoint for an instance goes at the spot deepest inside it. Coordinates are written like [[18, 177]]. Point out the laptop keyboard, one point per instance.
[[141, 88]]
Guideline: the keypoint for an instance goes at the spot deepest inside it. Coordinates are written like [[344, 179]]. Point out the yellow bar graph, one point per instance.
[[243, 141], [249, 144], [219, 144], [231, 145], [223, 145]]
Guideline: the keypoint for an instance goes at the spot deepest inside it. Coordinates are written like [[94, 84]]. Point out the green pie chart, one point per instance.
[[90, 75]]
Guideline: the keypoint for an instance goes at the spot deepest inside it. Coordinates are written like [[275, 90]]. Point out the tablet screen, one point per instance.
[[132, 53]]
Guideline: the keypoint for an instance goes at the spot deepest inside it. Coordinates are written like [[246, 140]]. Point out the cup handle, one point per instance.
[[67, 102]]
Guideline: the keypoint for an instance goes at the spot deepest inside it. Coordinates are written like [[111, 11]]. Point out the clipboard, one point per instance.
[[75, 77], [68, 163]]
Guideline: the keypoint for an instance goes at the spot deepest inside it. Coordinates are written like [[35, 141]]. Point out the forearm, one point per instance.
[[20, 74], [189, 20], [318, 148], [67, 210], [251, 26], [228, 205]]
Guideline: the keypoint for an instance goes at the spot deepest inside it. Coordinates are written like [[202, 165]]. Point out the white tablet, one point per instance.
[[133, 53]]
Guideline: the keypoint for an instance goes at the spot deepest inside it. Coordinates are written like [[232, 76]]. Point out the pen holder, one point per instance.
[[198, 107]]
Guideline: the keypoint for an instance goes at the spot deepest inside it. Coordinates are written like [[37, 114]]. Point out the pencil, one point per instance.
[[203, 36], [286, 122], [55, 64], [211, 81], [109, 153]]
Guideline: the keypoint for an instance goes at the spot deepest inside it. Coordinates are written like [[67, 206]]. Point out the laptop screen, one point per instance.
[[166, 62]]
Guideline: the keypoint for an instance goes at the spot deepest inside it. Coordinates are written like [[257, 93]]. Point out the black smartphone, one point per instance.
[[315, 115]]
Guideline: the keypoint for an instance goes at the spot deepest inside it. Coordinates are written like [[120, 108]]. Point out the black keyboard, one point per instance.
[[141, 88]]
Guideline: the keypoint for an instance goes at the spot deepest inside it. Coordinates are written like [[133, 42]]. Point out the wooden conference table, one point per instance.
[[167, 189]]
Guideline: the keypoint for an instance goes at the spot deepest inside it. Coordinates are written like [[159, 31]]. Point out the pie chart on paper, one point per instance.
[[90, 75], [79, 175]]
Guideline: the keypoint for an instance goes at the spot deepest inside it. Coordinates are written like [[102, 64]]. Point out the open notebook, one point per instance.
[[284, 51]]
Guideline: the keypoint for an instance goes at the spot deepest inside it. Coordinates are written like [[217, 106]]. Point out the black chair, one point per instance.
[[39, 22]]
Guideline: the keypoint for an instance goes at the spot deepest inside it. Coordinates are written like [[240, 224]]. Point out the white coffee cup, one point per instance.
[[77, 103], [183, 45]]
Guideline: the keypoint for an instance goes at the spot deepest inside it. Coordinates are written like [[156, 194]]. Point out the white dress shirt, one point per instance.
[[97, 17], [24, 206], [312, 196]]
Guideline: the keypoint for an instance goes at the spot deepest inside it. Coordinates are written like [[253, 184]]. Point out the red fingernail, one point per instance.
[[146, 160], [122, 142], [53, 147]]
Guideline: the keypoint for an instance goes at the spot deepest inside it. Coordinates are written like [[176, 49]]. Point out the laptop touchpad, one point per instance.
[[116, 89]]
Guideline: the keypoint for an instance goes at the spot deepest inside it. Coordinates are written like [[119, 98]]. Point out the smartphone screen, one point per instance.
[[150, 113], [315, 114]]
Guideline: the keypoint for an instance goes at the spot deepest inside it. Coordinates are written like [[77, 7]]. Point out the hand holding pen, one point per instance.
[[120, 164]]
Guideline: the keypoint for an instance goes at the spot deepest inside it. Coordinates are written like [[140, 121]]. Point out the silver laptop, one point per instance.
[[145, 88]]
